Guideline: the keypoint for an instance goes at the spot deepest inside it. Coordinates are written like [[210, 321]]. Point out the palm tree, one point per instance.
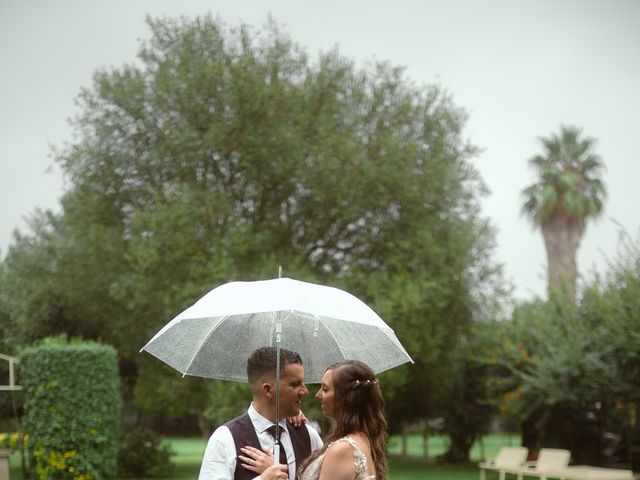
[[567, 193]]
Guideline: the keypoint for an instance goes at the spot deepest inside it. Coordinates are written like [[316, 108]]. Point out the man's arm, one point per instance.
[[314, 436], [219, 461]]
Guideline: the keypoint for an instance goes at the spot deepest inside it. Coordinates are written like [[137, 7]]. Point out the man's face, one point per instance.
[[292, 390]]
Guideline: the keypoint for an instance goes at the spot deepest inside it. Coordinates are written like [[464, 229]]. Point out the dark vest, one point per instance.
[[245, 435]]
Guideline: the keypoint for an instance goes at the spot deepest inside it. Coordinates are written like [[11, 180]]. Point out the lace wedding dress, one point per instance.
[[359, 459]]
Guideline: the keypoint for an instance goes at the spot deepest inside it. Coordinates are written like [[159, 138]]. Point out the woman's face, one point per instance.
[[327, 395]]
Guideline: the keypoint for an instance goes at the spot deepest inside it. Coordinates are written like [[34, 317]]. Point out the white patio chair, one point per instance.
[[587, 472], [550, 461], [508, 458]]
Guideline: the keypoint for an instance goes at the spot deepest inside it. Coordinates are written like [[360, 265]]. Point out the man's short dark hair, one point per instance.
[[262, 362]]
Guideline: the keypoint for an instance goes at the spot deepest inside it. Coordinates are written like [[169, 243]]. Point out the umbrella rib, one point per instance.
[[202, 343], [332, 336]]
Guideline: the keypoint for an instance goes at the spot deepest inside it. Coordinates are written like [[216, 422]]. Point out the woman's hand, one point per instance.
[[256, 460], [275, 472], [298, 420]]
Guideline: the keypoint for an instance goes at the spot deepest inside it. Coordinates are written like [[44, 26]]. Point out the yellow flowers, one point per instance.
[[59, 465], [58, 460], [10, 440], [69, 454], [50, 463]]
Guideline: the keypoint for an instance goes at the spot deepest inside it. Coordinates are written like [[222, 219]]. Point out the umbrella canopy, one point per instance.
[[215, 336]]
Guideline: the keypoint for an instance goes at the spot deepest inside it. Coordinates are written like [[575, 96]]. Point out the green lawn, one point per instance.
[[417, 470], [487, 448], [188, 455]]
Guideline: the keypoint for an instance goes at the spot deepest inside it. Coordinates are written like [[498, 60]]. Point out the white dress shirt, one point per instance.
[[219, 462]]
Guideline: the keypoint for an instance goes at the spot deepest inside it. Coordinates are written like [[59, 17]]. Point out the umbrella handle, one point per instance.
[[278, 341], [276, 454]]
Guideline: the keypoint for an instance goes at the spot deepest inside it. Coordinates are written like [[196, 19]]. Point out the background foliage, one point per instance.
[[569, 372], [223, 152], [142, 454], [73, 406]]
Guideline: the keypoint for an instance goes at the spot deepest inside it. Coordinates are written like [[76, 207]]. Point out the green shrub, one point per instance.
[[73, 409], [142, 454]]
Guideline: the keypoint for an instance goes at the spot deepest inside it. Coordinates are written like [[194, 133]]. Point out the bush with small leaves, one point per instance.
[[73, 408], [142, 454]]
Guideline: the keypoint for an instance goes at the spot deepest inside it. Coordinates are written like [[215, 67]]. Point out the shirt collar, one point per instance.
[[261, 423]]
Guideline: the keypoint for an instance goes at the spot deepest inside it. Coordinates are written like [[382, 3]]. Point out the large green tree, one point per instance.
[[569, 372], [567, 193], [225, 152]]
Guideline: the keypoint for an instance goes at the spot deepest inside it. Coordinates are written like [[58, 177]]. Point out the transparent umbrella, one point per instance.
[[216, 335]]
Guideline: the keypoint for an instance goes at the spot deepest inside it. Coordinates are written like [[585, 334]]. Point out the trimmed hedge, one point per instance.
[[73, 408]]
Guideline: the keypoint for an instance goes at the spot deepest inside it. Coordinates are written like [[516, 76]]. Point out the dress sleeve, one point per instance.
[[359, 458]]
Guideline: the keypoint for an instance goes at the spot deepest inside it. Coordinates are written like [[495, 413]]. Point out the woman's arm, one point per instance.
[[338, 463]]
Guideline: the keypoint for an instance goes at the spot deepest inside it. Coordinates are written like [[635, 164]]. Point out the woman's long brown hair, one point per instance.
[[359, 407]]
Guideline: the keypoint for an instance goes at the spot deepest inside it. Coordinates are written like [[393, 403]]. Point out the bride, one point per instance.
[[356, 448]]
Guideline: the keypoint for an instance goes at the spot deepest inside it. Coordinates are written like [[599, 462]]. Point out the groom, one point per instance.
[[241, 448]]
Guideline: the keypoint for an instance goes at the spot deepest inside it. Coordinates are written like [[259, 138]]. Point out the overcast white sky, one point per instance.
[[521, 68]]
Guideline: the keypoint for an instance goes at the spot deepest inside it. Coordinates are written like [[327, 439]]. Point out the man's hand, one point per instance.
[[275, 472]]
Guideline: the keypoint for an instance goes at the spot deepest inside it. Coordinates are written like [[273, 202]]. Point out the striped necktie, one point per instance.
[[283, 454]]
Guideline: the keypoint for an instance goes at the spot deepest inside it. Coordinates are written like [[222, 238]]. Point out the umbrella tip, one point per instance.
[[279, 271]]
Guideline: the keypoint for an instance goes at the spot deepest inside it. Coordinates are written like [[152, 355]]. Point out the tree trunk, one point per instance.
[[562, 237], [204, 425], [530, 434], [634, 439], [405, 440], [425, 440]]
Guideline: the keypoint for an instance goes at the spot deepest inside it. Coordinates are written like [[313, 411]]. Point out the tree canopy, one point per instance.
[[223, 152], [570, 371]]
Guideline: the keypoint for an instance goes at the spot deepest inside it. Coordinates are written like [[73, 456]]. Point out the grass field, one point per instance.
[[188, 455], [487, 448]]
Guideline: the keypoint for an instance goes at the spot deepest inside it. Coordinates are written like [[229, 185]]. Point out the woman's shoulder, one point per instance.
[[338, 461], [346, 448], [356, 447], [358, 441], [341, 447]]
